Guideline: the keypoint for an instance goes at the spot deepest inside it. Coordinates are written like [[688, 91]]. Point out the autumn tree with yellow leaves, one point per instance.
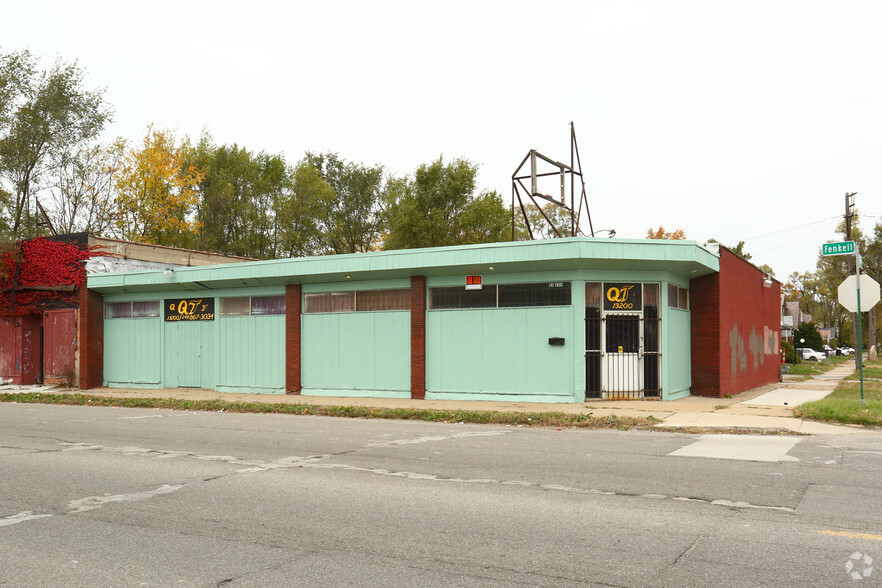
[[661, 233], [157, 192]]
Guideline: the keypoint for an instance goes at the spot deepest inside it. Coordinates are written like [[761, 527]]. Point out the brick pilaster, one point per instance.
[[418, 337], [90, 336], [293, 310]]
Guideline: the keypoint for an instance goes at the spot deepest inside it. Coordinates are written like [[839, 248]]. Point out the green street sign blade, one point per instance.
[[841, 248]]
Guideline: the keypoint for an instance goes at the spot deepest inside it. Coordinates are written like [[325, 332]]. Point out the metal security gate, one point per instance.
[[593, 353], [651, 353], [623, 359], [622, 349]]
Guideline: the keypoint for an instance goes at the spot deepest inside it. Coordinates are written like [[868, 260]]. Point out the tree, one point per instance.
[[438, 206], [300, 213], [557, 215], [42, 113], [740, 252], [239, 198], [82, 197], [351, 220], [157, 192], [660, 233], [808, 332]]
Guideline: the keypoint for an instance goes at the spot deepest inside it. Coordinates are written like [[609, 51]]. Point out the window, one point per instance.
[[144, 309], [382, 300], [115, 310], [361, 301], [317, 302], [252, 305], [267, 305], [501, 296], [235, 306], [678, 297], [593, 295], [544, 294], [459, 297], [341, 301]]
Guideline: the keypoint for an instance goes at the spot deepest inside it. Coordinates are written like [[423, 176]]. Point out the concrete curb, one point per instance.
[[748, 410]]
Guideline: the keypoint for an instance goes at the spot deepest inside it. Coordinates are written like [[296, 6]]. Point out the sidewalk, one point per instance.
[[767, 408]]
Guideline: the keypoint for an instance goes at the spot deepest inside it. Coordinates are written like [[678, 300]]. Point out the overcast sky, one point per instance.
[[730, 120]]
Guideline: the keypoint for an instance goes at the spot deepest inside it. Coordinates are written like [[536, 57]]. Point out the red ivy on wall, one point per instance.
[[41, 263]]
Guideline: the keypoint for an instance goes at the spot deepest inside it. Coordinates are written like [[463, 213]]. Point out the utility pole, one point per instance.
[[849, 213], [855, 316]]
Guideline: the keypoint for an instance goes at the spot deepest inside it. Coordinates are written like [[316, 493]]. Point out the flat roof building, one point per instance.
[[560, 320]]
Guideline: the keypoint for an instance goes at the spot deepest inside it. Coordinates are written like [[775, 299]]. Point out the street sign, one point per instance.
[[869, 293], [841, 248]]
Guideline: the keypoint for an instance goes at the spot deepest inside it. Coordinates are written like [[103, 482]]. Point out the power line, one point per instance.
[[828, 225], [556, 133], [792, 228]]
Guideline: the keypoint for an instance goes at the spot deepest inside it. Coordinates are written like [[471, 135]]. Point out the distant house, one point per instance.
[[786, 327], [791, 317], [828, 333]]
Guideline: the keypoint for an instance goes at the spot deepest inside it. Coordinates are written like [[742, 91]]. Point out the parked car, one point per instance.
[[809, 354], [847, 350]]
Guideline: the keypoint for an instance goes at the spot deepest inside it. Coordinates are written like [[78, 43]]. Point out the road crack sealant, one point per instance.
[[314, 462]]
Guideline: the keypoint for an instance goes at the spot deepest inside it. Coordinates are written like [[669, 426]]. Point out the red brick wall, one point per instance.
[[293, 310], [737, 349], [90, 334], [418, 337], [704, 300]]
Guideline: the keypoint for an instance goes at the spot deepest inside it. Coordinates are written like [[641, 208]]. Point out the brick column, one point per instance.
[[292, 339], [90, 337], [418, 337]]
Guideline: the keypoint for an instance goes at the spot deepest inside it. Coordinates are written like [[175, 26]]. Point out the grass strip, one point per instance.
[[843, 405], [535, 419], [870, 373], [813, 368]]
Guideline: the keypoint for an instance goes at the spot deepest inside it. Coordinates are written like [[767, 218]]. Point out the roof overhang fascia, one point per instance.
[[683, 258]]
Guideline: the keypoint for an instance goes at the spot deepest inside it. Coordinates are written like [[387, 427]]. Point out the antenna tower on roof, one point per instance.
[[541, 168]]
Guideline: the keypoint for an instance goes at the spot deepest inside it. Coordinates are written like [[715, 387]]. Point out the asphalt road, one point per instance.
[[125, 497]]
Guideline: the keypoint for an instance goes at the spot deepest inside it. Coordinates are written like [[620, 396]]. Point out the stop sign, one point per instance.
[[869, 293]]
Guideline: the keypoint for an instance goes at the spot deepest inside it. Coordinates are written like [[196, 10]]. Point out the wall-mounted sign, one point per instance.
[[189, 309], [622, 297], [473, 283]]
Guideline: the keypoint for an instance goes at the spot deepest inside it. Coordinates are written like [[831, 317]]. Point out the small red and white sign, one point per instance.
[[473, 283]]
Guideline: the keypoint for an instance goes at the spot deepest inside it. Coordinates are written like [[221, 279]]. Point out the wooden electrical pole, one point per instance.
[[849, 214]]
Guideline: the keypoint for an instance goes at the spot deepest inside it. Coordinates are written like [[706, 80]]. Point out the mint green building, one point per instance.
[[558, 320]]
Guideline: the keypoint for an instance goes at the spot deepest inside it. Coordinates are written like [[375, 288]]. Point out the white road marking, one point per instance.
[[741, 447]]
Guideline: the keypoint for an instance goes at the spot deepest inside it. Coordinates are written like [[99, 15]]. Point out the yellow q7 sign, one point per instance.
[[189, 309], [622, 297]]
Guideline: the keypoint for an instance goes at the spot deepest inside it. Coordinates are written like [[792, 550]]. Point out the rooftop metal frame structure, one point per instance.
[[573, 208]]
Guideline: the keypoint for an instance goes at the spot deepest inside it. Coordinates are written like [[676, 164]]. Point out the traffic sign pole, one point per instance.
[[845, 292], [860, 339]]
